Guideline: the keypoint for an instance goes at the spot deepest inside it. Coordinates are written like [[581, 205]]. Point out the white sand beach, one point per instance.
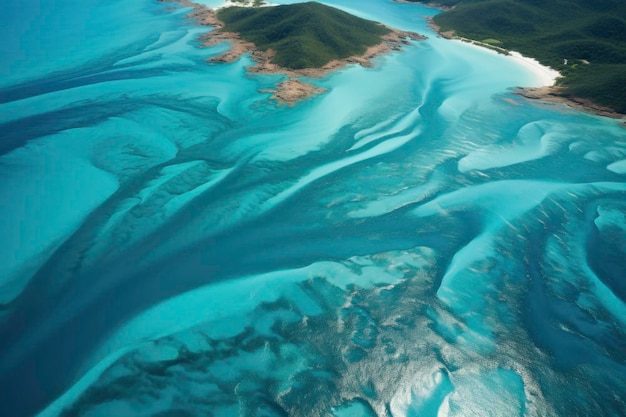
[[546, 76]]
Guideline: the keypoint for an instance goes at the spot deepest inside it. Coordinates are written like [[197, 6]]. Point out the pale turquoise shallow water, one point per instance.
[[416, 241]]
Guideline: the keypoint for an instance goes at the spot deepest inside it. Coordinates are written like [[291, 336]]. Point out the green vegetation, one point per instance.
[[304, 35], [585, 40], [253, 3], [493, 42]]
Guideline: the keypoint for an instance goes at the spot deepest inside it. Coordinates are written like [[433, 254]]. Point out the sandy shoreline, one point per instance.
[[546, 91], [549, 91], [293, 89], [544, 76]]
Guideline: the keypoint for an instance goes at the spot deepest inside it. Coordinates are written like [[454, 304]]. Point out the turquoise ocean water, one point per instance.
[[416, 241]]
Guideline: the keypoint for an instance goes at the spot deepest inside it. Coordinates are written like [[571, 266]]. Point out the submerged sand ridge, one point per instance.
[[293, 89]]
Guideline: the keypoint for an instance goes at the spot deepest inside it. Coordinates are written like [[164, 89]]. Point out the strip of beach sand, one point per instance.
[[548, 91], [545, 89], [543, 76]]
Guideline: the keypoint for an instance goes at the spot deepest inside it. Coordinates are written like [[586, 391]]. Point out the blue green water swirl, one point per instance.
[[416, 241]]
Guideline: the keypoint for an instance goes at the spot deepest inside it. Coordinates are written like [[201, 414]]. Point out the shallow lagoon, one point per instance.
[[416, 241]]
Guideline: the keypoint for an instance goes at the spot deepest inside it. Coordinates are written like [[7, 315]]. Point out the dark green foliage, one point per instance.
[[554, 31], [604, 83], [304, 35], [608, 27], [590, 50]]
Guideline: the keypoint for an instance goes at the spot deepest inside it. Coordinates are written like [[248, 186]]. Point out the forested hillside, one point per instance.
[[303, 35], [583, 39]]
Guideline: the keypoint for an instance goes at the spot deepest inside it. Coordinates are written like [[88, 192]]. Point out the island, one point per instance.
[[298, 40], [584, 40]]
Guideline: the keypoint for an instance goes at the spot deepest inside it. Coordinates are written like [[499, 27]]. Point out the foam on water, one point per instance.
[[414, 241]]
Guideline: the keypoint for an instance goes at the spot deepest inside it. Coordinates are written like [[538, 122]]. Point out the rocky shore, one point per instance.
[[554, 94], [292, 90]]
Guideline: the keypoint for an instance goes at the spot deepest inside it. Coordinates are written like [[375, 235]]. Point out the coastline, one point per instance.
[[544, 76], [555, 95], [547, 90], [292, 90], [432, 4]]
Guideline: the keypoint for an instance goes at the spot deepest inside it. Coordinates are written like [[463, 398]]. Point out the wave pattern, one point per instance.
[[415, 242]]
